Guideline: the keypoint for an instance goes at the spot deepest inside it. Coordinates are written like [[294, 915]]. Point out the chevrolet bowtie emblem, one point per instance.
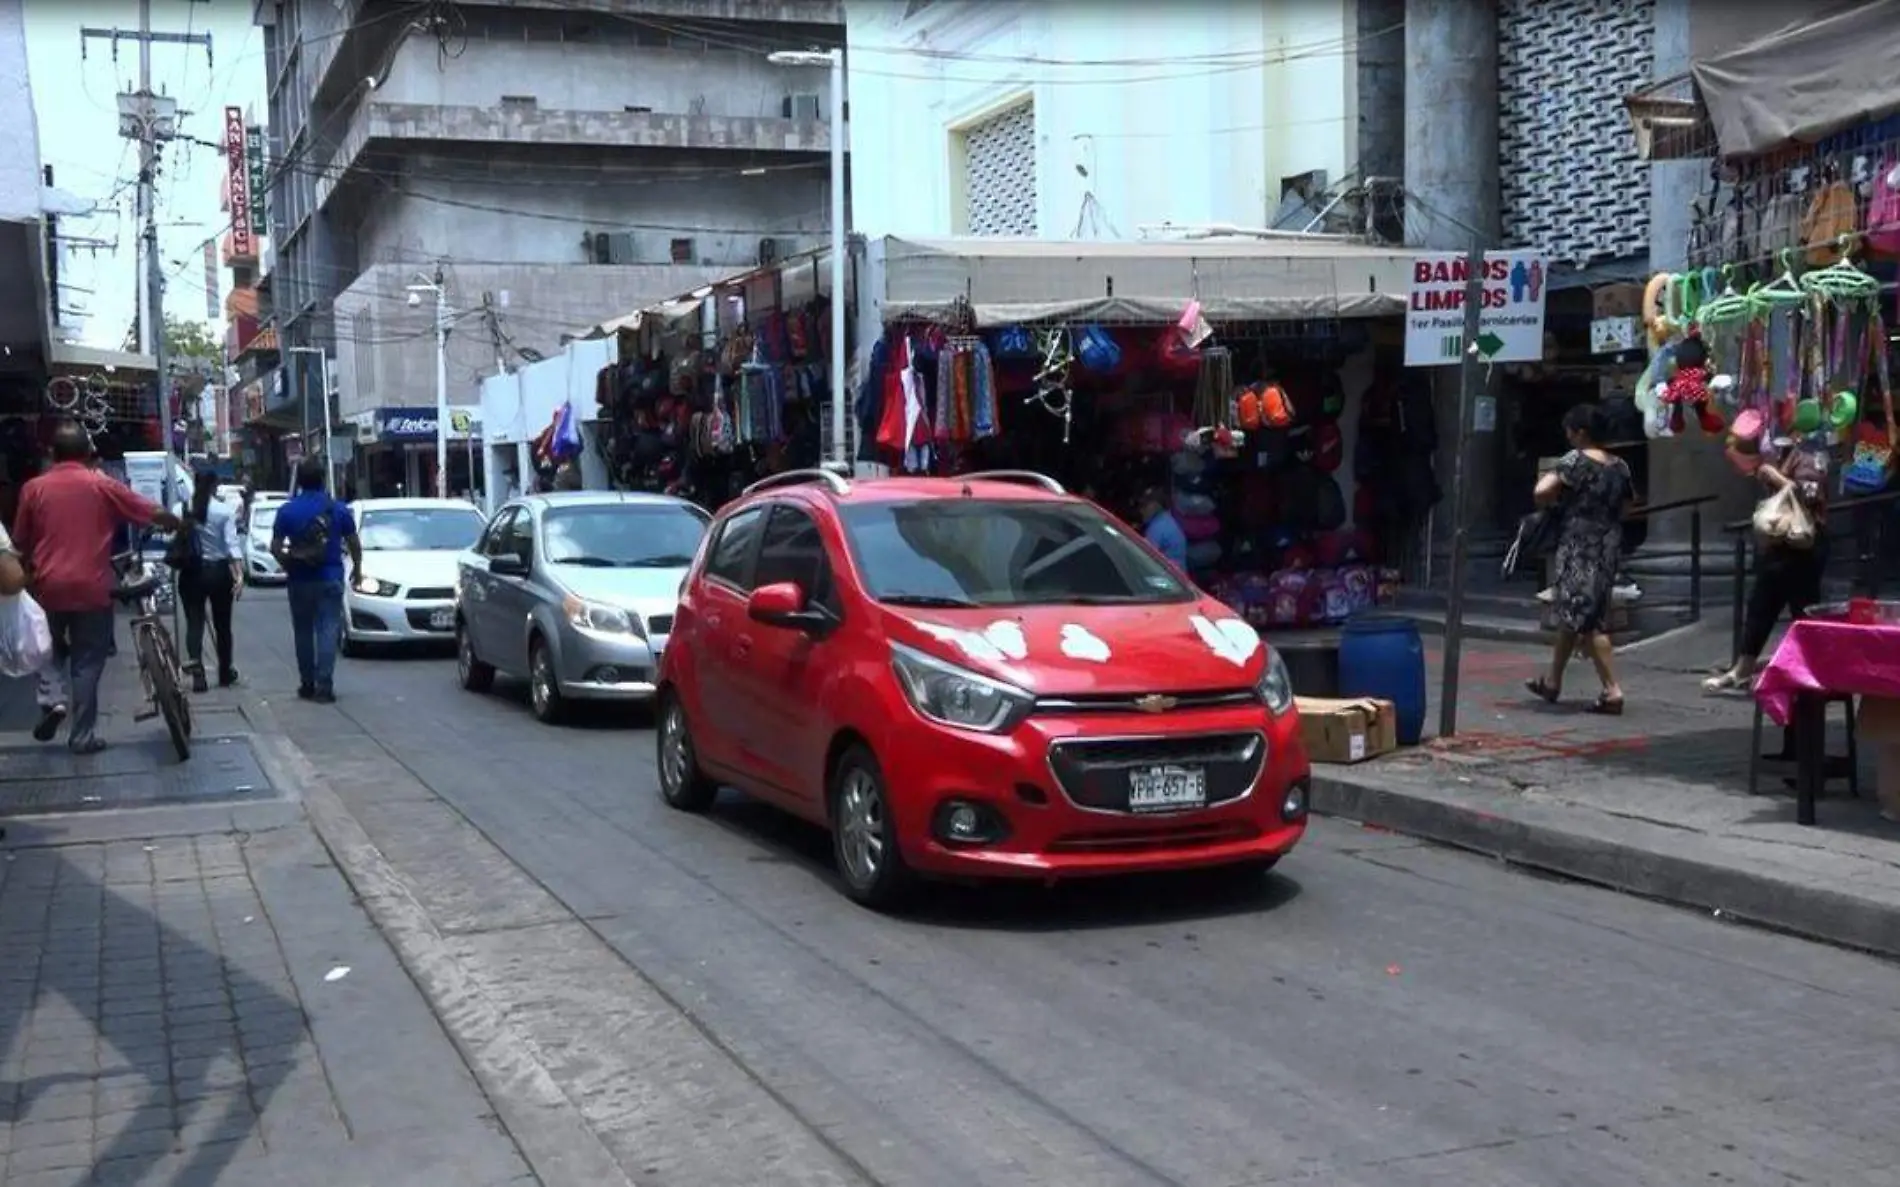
[[1155, 703]]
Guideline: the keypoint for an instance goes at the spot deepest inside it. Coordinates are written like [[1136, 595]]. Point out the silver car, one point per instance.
[[575, 591]]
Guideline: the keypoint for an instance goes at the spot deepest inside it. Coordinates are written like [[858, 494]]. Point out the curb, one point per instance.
[[555, 1141], [1649, 860]]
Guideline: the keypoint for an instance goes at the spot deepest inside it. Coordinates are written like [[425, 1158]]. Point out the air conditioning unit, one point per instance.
[[768, 252], [803, 107]]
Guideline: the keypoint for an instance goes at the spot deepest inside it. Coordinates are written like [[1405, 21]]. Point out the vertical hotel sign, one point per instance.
[[238, 176], [254, 168]]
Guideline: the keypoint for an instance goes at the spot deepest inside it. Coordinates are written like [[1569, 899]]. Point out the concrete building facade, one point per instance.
[[559, 163]]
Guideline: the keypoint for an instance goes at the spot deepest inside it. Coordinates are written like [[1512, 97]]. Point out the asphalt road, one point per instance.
[[1377, 1012]]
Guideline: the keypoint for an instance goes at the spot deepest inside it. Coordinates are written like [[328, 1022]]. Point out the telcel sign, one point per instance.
[[418, 424], [1511, 322]]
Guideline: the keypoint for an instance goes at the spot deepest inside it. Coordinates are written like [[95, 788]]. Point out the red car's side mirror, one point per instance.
[[774, 604]]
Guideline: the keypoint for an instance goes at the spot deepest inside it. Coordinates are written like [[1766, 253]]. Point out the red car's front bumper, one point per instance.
[[1051, 834]]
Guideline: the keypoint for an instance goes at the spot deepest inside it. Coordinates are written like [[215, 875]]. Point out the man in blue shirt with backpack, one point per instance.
[[309, 538]]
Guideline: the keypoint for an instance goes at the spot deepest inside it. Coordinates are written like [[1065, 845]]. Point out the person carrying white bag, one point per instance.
[[26, 638]]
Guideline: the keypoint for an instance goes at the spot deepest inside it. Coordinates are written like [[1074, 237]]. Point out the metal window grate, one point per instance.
[[1571, 182], [999, 161]]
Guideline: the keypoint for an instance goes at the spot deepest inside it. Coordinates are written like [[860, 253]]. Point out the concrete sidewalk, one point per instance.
[[1654, 802], [189, 991]]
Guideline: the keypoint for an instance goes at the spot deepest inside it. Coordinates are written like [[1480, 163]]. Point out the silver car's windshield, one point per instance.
[[623, 536]]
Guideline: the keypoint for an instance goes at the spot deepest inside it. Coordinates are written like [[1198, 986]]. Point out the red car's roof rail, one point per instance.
[[1026, 477], [835, 482]]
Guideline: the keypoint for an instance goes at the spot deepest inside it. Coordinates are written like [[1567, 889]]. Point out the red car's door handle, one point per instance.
[[742, 647]]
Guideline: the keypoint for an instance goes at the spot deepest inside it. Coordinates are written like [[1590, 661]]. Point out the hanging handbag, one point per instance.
[[1781, 521], [1536, 538]]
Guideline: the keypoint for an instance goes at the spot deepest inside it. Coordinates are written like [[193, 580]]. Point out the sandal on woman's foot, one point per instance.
[[1607, 705], [1543, 690], [1727, 682]]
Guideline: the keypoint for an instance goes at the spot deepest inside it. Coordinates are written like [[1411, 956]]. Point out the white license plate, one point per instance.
[[441, 620], [1161, 789]]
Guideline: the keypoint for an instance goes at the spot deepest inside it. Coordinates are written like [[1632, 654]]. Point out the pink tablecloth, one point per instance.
[[1820, 655]]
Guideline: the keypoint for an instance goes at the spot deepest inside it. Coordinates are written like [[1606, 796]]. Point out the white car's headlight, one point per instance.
[[956, 696], [593, 616], [1275, 689], [365, 584]]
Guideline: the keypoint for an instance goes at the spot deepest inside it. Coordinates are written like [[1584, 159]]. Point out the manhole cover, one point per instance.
[[37, 780]]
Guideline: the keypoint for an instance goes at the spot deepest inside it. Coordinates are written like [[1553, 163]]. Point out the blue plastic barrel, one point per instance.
[[1384, 657]]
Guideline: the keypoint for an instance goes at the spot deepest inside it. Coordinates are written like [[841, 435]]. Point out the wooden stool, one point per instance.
[[1852, 757]]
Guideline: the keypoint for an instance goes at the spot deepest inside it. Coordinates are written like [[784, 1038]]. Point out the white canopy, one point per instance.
[[1007, 281]]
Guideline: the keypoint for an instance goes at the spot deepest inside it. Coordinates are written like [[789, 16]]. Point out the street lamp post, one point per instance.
[[833, 58], [441, 292]]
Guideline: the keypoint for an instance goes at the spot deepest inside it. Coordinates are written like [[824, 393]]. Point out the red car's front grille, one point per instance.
[[1136, 840]]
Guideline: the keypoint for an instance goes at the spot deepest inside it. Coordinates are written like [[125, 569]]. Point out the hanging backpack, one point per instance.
[[1883, 211], [1830, 216], [1013, 342], [1247, 408], [1276, 410], [1096, 350]]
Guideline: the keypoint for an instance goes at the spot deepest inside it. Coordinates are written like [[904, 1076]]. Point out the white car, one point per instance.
[[260, 567], [405, 590]]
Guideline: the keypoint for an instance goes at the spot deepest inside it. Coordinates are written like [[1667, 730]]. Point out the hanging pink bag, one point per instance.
[[1882, 235]]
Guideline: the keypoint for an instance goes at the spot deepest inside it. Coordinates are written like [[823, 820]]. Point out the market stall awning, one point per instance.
[[1797, 85], [665, 311], [1145, 281]]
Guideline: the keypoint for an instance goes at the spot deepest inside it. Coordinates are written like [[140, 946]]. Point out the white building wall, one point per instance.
[[1213, 103], [19, 127]]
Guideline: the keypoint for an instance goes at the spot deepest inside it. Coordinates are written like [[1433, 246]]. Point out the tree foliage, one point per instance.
[[185, 340]]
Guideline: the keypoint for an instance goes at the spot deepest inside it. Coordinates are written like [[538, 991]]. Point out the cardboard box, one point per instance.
[[1347, 731], [1616, 300]]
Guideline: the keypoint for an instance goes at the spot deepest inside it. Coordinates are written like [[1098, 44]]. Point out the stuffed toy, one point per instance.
[[1688, 387]]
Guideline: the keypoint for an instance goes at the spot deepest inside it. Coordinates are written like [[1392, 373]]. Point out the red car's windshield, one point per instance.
[[976, 552]]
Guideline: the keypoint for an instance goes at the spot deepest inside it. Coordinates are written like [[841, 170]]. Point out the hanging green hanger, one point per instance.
[[1842, 280], [1730, 308], [1783, 292]]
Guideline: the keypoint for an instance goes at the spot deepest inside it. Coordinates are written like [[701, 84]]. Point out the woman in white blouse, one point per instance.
[[214, 582]]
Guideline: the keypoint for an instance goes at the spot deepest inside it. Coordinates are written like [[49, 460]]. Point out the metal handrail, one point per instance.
[[1645, 510], [834, 482], [1029, 477]]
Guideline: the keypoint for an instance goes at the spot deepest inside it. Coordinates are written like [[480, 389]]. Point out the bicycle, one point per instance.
[[159, 670]]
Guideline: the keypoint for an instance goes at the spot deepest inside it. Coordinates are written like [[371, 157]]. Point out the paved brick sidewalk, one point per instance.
[[174, 1010], [1653, 802]]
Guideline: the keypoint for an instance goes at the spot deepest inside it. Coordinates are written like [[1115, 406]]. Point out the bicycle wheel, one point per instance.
[[167, 696]]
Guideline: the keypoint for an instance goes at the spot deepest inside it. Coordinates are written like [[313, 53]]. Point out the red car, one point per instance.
[[979, 677]]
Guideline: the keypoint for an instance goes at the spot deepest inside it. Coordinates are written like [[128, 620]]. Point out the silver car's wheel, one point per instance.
[[544, 690], [475, 675]]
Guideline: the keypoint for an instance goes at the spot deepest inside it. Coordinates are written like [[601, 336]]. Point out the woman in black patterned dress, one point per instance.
[[1591, 489]]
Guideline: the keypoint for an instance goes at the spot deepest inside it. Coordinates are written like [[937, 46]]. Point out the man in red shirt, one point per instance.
[[64, 528]]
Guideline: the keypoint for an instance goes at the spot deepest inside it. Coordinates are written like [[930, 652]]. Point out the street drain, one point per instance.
[[39, 780]]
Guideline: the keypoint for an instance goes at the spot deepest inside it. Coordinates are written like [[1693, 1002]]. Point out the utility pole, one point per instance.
[[442, 387], [1470, 387], [151, 119]]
